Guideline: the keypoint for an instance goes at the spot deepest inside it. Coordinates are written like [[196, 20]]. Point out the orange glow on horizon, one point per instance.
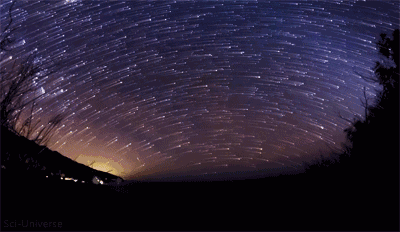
[[102, 164]]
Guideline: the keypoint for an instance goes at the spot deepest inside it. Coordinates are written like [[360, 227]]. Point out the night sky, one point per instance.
[[200, 87]]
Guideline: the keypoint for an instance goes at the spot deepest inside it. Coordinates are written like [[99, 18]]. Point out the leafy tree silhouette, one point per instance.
[[375, 138], [372, 150], [362, 181], [16, 86]]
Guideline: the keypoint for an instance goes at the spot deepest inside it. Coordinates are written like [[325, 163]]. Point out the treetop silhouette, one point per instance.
[[372, 149]]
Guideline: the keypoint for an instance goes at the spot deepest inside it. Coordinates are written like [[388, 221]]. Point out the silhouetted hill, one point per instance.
[[34, 185], [20, 154]]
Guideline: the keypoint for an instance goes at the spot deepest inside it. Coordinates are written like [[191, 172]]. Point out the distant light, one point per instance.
[[75, 180], [101, 182], [61, 178], [96, 180], [47, 176], [83, 181]]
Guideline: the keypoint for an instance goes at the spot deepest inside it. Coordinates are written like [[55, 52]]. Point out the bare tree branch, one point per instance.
[[6, 40], [365, 105], [16, 87]]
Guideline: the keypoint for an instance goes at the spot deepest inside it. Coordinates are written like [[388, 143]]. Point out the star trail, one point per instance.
[[197, 87]]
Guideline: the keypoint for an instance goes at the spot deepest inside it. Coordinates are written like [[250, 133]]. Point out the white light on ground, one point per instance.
[[96, 180]]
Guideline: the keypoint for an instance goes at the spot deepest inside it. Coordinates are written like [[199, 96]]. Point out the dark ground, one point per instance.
[[281, 203]]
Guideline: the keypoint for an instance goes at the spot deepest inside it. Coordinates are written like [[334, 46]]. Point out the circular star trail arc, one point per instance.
[[201, 87]]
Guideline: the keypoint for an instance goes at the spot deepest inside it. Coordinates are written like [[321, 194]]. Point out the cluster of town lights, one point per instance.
[[67, 178], [96, 180]]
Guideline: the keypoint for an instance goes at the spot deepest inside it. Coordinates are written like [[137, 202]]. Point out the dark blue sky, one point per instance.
[[201, 87]]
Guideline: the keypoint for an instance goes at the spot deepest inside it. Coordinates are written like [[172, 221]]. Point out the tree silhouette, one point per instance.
[[378, 131], [372, 150], [17, 86]]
